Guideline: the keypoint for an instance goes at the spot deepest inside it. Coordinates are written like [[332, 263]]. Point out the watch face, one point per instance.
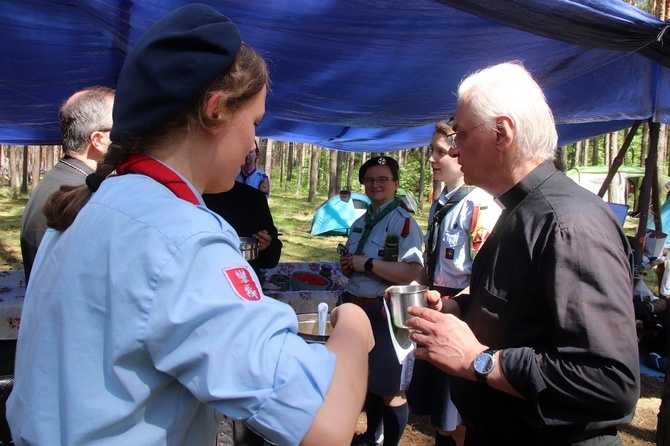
[[484, 363]]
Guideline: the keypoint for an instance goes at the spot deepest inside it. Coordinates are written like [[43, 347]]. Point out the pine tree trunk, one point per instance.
[[301, 161], [313, 174], [332, 172], [37, 163], [578, 153], [342, 158], [289, 161], [596, 150], [422, 176], [644, 146], [3, 166], [24, 168], [14, 166], [282, 161], [350, 170], [561, 158], [269, 151]]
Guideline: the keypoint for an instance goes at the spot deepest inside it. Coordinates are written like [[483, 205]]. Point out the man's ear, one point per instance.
[[95, 139], [506, 130]]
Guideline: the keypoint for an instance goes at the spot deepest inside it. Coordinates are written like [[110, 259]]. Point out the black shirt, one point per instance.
[[552, 286], [246, 209]]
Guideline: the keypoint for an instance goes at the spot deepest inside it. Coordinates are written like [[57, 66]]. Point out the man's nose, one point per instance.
[[453, 151]]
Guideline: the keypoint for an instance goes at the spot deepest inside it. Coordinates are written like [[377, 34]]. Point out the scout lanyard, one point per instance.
[[433, 230], [142, 164], [370, 222]]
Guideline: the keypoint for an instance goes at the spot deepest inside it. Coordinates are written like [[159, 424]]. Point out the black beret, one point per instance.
[[379, 161], [170, 66]]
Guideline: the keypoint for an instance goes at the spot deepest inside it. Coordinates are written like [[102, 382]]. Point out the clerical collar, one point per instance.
[[530, 182]]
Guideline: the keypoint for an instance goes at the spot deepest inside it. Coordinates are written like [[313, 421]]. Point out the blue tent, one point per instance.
[[357, 75], [335, 217]]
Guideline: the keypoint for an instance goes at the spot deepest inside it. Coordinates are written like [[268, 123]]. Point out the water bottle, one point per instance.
[[391, 248]]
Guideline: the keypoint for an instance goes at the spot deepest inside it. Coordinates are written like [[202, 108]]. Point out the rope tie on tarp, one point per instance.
[[659, 38]]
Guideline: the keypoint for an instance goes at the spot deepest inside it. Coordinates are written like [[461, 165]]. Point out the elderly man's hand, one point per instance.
[[444, 340]]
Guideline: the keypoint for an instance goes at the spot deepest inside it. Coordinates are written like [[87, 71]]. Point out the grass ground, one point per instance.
[[293, 217]]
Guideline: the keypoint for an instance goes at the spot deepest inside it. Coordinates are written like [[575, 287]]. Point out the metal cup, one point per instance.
[[249, 247], [402, 297]]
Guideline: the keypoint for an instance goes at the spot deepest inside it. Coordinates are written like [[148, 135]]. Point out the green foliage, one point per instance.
[[410, 174], [11, 212], [634, 155], [293, 218]]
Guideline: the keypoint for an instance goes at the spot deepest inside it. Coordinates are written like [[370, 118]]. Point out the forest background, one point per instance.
[[310, 171]]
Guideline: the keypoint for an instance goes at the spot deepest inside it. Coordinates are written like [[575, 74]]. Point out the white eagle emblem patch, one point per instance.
[[242, 282]]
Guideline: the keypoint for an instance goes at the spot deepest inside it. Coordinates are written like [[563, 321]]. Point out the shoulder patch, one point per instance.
[[242, 282]]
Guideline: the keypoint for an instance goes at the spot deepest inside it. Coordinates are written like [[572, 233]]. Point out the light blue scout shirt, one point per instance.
[[253, 180], [454, 263], [142, 323], [410, 248]]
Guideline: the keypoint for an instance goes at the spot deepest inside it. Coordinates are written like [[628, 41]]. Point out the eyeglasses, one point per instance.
[[371, 181], [342, 250], [455, 137]]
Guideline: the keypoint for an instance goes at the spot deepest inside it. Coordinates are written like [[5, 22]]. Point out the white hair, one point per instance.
[[508, 89]]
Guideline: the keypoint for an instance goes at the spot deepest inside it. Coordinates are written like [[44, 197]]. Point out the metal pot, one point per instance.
[[308, 328], [249, 247]]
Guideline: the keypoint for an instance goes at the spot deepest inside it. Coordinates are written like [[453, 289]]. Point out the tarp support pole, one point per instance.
[[618, 160], [639, 241]]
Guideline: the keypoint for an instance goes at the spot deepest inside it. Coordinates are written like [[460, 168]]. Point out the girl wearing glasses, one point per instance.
[[384, 249]]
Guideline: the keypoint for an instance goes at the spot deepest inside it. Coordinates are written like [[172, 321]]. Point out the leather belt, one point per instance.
[[361, 301]]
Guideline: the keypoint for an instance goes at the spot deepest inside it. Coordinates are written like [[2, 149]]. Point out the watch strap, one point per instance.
[[368, 264], [482, 377]]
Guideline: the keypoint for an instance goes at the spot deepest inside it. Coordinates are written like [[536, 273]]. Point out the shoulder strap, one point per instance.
[[433, 236]]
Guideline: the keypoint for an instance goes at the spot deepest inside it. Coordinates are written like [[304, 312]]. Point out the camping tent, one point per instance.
[[335, 217], [408, 200], [357, 75], [624, 188], [665, 220]]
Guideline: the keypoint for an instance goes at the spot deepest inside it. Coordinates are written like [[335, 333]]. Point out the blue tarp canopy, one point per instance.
[[357, 75]]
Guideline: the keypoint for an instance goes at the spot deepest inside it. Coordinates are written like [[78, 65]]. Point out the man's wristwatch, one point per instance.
[[368, 264], [484, 364]]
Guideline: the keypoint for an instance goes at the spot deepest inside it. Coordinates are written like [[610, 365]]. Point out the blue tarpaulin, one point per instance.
[[357, 75]]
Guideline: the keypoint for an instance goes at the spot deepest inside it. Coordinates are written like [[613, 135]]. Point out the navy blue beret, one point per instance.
[[170, 66], [379, 161]]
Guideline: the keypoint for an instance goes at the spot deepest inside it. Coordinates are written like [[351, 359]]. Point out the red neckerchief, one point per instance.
[[142, 164], [245, 176]]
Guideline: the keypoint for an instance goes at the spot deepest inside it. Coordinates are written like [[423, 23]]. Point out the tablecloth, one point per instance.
[[12, 292], [307, 301]]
